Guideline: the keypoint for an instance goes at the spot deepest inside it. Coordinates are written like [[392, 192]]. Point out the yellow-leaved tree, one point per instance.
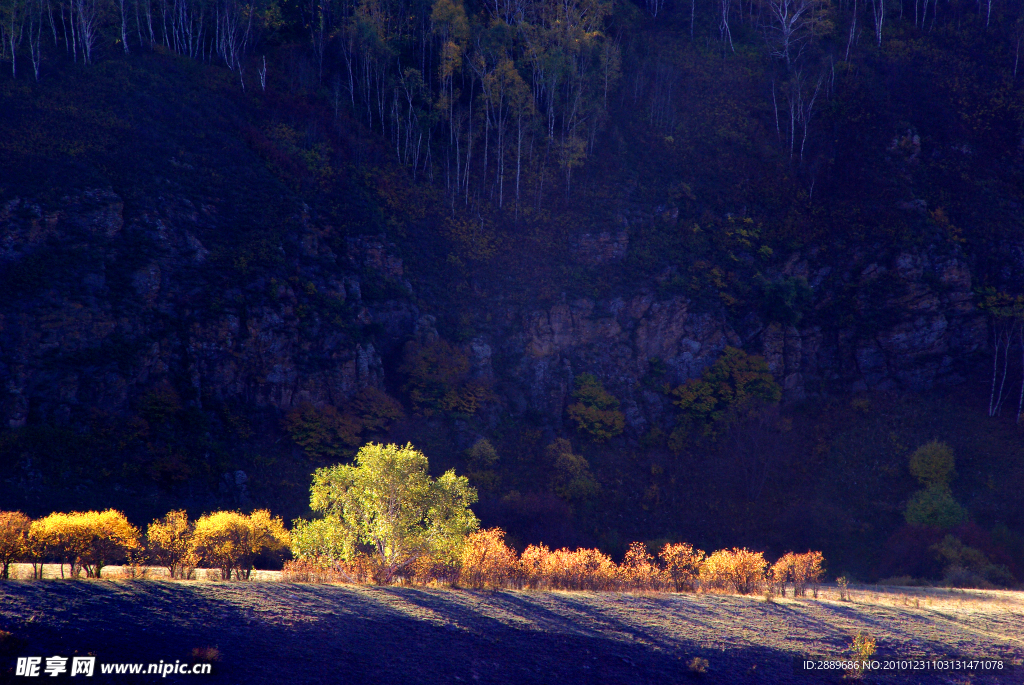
[[170, 544], [82, 540], [14, 527], [231, 541], [682, 564], [111, 539], [596, 411]]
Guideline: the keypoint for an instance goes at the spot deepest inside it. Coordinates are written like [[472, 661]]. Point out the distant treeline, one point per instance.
[[500, 98]]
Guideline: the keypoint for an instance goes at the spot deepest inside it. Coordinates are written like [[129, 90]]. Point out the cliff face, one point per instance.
[[100, 307], [913, 324]]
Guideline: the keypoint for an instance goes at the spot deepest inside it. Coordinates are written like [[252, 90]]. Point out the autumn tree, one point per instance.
[[388, 505], [112, 537], [736, 378], [231, 541], [739, 570], [324, 433], [14, 527], [170, 544], [596, 411], [487, 561], [682, 564]]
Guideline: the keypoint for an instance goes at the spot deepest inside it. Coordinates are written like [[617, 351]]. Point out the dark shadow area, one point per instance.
[[294, 633]]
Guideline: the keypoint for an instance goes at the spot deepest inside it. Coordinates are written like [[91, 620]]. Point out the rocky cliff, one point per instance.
[[102, 305]]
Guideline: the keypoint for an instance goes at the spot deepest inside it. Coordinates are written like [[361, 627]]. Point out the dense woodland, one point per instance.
[[479, 141]]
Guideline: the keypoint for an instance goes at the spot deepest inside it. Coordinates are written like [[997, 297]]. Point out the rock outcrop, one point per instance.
[[919, 330], [92, 320]]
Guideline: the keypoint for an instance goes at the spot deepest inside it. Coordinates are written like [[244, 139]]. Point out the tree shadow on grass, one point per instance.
[[294, 633]]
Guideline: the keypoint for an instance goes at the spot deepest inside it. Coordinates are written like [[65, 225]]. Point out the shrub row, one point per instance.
[[226, 540], [488, 562]]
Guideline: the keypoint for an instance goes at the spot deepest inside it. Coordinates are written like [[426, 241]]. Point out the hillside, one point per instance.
[[264, 632], [530, 225]]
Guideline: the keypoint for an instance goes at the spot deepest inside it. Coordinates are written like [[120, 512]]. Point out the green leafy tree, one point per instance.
[[734, 379], [573, 480], [387, 504], [596, 411], [933, 464], [935, 506]]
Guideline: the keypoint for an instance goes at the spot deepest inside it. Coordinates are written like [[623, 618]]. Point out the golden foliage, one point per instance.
[[487, 562], [112, 539], [231, 541], [170, 544], [14, 527], [682, 564], [637, 570], [82, 540], [583, 569], [737, 570]]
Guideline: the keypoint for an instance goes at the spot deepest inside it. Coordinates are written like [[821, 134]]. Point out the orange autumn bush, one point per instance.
[[734, 570], [486, 561]]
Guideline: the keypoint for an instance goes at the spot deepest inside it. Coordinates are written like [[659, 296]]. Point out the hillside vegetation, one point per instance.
[[652, 271]]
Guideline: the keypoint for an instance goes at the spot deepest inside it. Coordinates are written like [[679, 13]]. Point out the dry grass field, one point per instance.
[[276, 632]]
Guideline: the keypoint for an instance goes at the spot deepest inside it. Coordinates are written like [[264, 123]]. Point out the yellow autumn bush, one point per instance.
[[682, 565], [170, 544], [86, 541], [638, 571], [487, 561], [231, 541], [737, 570]]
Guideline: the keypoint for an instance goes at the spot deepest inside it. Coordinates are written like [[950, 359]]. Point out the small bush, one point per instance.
[[737, 570], [637, 570], [682, 564], [807, 571], [596, 411], [206, 655], [843, 586], [487, 561], [698, 665]]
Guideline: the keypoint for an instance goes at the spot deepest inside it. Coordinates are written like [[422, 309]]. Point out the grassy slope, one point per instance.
[[269, 632]]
